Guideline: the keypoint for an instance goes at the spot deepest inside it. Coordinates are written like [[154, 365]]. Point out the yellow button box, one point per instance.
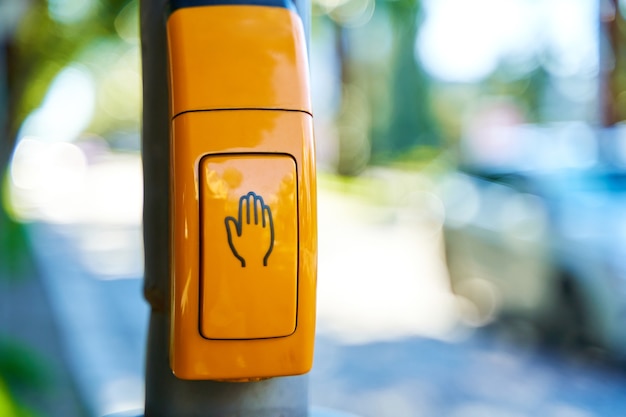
[[249, 246], [243, 199], [244, 244]]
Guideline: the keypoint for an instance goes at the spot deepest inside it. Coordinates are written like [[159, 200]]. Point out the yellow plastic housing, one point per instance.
[[243, 196], [231, 57]]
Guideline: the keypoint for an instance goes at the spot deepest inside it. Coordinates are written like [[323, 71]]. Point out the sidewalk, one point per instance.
[[378, 280], [102, 318], [384, 315], [28, 325], [368, 373]]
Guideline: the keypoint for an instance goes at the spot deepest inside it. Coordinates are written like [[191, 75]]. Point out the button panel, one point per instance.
[[249, 246]]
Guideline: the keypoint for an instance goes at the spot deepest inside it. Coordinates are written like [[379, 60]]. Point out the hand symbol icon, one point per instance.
[[251, 235]]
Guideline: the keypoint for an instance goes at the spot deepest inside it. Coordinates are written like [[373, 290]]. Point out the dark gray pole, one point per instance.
[[166, 395]]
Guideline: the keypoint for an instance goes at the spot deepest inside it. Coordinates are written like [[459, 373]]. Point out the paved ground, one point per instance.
[[27, 325], [389, 340], [478, 377], [101, 316]]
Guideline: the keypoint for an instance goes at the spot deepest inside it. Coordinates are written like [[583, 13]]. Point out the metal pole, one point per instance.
[[166, 395]]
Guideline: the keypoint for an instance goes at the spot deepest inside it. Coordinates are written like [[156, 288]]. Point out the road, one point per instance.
[[390, 340]]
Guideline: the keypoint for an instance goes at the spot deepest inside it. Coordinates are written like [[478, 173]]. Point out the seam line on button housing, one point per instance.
[[175, 5], [243, 108]]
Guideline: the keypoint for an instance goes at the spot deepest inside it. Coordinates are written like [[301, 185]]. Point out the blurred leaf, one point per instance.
[[9, 407], [21, 367], [21, 370], [14, 247], [411, 121], [42, 46]]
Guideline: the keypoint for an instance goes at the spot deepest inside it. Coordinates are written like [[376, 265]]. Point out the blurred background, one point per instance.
[[472, 207]]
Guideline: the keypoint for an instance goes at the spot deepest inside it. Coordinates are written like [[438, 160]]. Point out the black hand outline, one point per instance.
[[258, 205]]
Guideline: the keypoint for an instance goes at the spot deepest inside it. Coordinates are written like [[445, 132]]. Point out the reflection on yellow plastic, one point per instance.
[[230, 57], [249, 246]]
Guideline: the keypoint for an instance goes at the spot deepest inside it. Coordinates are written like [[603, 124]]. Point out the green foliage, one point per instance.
[[21, 371], [411, 122], [385, 104], [9, 407], [43, 46], [21, 367], [14, 250]]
